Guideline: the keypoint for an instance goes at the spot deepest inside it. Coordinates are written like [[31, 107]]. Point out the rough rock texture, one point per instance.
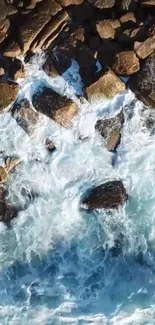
[[147, 3], [102, 4], [26, 116], [105, 29], [128, 20], [110, 130], [107, 85], [65, 3], [56, 64], [144, 49], [8, 94], [126, 63], [143, 83], [110, 195], [59, 108]]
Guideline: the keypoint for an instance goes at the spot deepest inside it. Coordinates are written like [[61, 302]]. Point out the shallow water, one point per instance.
[[58, 264]]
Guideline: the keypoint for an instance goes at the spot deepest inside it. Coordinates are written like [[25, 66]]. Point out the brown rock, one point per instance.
[[2, 72], [65, 3], [129, 4], [8, 94], [12, 49], [147, 3], [106, 86], [35, 22], [57, 107], [56, 64], [50, 31], [129, 36], [110, 195], [105, 29], [110, 130], [128, 20], [16, 69], [26, 117], [144, 49], [7, 211], [126, 63], [143, 83], [102, 4], [70, 43], [4, 30]]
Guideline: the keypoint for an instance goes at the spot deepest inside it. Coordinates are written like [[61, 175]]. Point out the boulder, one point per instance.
[[26, 117], [110, 130], [105, 85], [57, 107], [105, 29], [144, 49], [102, 4], [16, 69], [108, 50], [56, 64], [4, 30], [143, 83], [129, 36], [65, 3], [126, 63], [110, 195], [128, 20], [12, 49], [8, 93], [7, 211]]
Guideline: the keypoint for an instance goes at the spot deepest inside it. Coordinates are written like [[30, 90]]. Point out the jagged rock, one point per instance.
[[106, 85], [4, 30], [110, 195], [50, 31], [70, 43], [110, 130], [143, 83], [7, 211], [59, 108], [35, 22], [126, 63], [102, 4], [56, 64], [129, 36], [65, 3], [105, 29], [144, 49], [8, 94], [128, 20], [26, 117], [12, 49]]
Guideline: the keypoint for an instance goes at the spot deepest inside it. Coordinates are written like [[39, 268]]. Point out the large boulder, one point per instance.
[[143, 83], [126, 63], [110, 195], [144, 49], [106, 29], [8, 93], [59, 108], [110, 130], [105, 85]]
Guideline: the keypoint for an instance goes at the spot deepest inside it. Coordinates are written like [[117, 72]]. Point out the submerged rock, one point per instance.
[[59, 108], [49, 145], [110, 195], [110, 130]]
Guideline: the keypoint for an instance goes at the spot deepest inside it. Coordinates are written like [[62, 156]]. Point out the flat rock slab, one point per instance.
[[8, 94], [59, 108], [143, 83], [110, 130], [110, 195], [107, 85]]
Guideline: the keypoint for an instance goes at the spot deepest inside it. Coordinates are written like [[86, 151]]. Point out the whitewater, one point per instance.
[[60, 265]]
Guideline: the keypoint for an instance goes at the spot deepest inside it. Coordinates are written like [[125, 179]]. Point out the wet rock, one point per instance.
[[102, 4], [69, 45], [129, 36], [49, 68], [126, 63], [128, 20], [12, 49], [110, 130], [85, 56], [8, 93], [7, 211], [59, 108], [144, 49], [49, 145], [105, 85], [26, 117], [110, 195], [16, 69], [143, 83], [56, 64]]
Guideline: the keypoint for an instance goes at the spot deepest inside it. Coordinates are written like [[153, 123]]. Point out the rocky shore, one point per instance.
[[109, 39]]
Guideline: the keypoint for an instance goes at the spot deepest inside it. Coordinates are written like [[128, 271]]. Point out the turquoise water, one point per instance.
[[58, 264]]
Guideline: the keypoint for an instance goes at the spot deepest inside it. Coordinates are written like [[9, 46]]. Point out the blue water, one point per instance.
[[58, 264]]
